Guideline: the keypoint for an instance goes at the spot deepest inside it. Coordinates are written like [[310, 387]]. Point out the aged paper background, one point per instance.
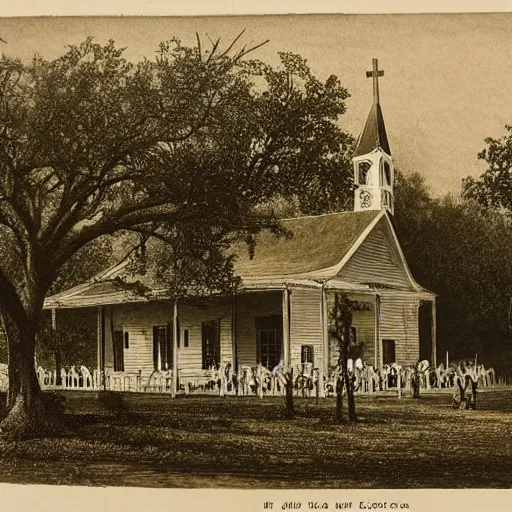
[[46, 498]]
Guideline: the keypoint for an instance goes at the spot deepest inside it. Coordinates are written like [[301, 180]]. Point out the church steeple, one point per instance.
[[373, 165]]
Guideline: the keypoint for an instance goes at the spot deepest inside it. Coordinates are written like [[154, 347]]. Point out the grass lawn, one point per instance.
[[247, 442]]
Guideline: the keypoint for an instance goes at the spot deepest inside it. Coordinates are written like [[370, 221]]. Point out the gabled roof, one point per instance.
[[318, 248], [374, 134], [317, 242]]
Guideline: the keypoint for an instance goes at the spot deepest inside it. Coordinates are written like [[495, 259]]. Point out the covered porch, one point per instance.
[[239, 344]]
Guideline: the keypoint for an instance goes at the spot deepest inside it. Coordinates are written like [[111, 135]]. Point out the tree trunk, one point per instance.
[[339, 399], [474, 386], [416, 385], [351, 402], [290, 411], [349, 382], [28, 416]]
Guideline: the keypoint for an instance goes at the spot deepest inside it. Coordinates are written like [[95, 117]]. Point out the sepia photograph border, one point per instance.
[[42, 498]]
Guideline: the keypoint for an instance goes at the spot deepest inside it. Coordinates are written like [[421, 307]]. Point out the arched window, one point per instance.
[[364, 175], [386, 198], [385, 173]]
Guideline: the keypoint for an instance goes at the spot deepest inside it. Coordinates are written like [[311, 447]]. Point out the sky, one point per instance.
[[447, 83]]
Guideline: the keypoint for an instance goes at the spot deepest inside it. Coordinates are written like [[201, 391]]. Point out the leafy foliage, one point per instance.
[[462, 252], [95, 144], [181, 148], [493, 189], [74, 339]]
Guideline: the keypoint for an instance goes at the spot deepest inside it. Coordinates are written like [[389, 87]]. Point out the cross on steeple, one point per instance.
[[375, 73]]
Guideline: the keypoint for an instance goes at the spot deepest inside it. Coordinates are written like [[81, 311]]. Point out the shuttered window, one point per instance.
[[210, 334]]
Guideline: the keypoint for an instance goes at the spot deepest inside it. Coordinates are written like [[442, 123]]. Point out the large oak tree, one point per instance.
[[190, 141]]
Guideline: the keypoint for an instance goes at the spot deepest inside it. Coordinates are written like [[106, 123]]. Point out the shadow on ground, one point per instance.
[[154, 441]]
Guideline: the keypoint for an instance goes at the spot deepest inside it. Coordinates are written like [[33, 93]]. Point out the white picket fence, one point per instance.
[[306, 379], [82, 379], [72, 378]]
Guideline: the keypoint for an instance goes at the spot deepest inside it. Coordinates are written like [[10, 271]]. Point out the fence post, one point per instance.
[[260, 383], [320, 386], [399, 382], [222, 380]]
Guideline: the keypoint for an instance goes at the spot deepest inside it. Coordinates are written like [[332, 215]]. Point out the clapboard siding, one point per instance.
[[191, 318], [138, 320], [306, 323], [399, 322], [364, 322], [139, 355], [377, 261]]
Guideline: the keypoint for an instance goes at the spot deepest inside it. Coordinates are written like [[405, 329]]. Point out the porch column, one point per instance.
[[234, 341], [175, 335], [54, 319], [57, 380], [325, 343], [99, 327], [377, 350], [433, 319], [286, 327]]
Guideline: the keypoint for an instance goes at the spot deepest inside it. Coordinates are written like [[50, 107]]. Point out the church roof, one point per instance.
[[314, 253], [317, 242], [374, 134]]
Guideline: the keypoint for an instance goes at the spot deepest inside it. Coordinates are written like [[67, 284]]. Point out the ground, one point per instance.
[[248, 443]]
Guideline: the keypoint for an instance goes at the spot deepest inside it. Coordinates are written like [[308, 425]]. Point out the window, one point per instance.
[[185, 338], [307, 354], [270, 348], [388, 351], [210, 334], [118, 347], [269, 340], [162, 347], [364, 175], [387, 198], [126, 339], [385, 173]]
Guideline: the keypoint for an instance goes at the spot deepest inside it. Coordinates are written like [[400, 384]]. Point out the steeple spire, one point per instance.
[[373, 165], [374, 134]]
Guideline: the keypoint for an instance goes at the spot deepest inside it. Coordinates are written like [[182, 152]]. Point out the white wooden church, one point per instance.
[[280, 312]]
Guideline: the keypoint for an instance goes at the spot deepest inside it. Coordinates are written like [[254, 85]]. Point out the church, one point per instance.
[[280, 313]]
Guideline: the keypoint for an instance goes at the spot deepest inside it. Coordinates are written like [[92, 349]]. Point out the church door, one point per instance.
[[425, 330], [269, 340]]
